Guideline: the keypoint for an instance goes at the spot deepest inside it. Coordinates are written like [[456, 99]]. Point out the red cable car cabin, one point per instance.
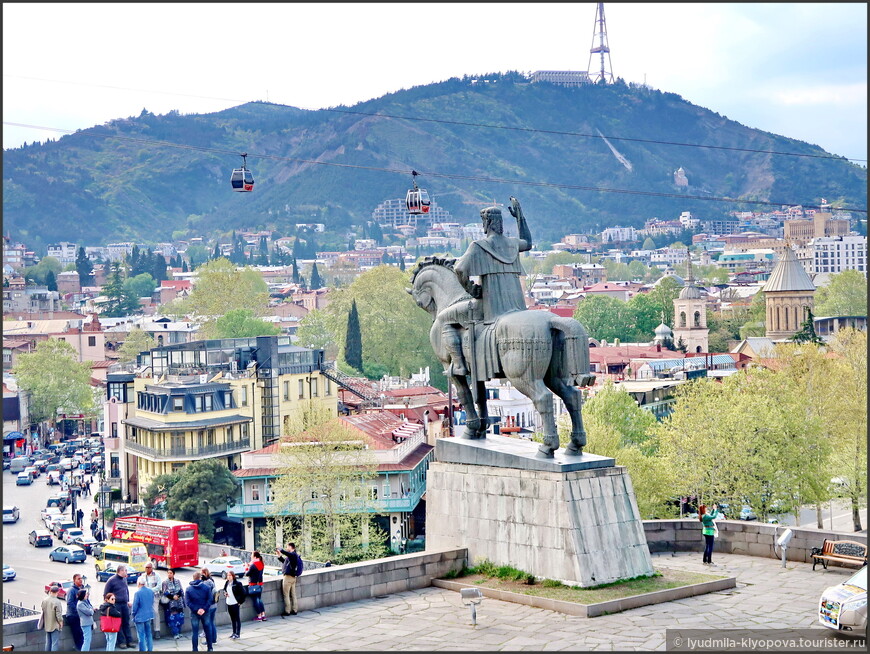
[[171, 543], [417, 201]]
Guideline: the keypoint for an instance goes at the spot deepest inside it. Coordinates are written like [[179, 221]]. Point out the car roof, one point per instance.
[[41, 532]]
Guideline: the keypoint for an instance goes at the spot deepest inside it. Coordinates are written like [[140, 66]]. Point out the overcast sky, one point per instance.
[[799, 70]]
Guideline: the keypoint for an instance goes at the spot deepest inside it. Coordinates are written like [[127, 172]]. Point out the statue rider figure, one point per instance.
[[495, 260]]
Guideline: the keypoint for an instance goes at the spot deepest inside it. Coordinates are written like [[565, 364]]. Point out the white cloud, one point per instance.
[[825, 94]]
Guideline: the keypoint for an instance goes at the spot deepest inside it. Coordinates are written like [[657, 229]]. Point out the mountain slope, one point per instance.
[[94, 189]]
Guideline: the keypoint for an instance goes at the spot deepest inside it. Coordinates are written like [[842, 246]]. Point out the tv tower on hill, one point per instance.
[[600, 34]]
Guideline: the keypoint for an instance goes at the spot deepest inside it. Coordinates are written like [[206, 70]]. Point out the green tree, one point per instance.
[[139, 286], [221, 287], [326, 467], [51, 281], [807, 332], [315, 332], [845, 295], [604, 317], [648, 244], [39, 273], [137, 341], [353, 353], [156, 493], [198, 255], [241, 323], [119, 302], [316, 282], [55, 380], [85, 268], [203, 487]]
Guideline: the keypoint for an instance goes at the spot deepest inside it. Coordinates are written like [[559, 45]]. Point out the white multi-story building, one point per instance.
[[63, 252], [395, 212], [117, 251], [834, 254], [618, 234], [669, 256]]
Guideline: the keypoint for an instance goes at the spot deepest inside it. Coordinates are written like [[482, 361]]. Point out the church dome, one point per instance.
[[690, 292], [663, 331]]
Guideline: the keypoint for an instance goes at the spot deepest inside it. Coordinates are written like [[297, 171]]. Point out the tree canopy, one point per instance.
[[55, 380], [241, 323], [137, 340], [202, 488], [845, 295]]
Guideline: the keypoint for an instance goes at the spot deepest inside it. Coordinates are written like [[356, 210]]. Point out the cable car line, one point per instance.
[[475, 178], [467, 124]]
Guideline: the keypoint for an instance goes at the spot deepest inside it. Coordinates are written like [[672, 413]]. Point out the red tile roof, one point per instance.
[[255, 472]]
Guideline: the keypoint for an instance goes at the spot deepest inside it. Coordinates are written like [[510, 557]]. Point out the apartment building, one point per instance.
[[834, 254], [207, 399]]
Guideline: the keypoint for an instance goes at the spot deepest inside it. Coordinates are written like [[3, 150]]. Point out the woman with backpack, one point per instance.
[[234, 592]]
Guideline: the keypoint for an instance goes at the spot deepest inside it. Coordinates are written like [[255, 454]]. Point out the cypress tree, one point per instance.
[[295, 272], [316, 281], [84, 267], [51, 281], [353, 340]]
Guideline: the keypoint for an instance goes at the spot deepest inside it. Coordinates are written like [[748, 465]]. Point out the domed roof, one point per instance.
[[788, 275], [664, 331], [690, 292]]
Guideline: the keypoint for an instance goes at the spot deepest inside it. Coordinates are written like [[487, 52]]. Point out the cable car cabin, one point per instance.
[[242, 180], [417, 201]]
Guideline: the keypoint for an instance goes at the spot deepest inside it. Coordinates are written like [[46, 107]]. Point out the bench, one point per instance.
[[844, 552]]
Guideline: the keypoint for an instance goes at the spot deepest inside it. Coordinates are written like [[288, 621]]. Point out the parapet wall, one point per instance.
[[738, 537], [315, 588]]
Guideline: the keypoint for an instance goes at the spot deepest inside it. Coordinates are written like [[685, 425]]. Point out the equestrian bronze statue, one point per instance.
[[482, 330]]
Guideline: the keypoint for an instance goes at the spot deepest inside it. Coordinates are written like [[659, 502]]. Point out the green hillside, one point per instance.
[[91, 189]]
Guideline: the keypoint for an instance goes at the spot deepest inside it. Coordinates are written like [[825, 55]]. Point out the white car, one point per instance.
[[223, 564], [48, 514], [11, 514], [71, 534], [66, 463], [8, 572], [843, 608]]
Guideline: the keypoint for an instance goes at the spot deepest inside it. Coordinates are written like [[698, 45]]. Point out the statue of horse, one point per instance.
[[539, 352]]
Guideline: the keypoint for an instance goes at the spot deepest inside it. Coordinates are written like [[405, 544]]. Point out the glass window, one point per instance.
[[255, 492], [270, 497], [92, 341], [314, 387], [207, 399], [178, 403], [244, 395], [301, 389], [328, 391], [286, 390], [228, 399]]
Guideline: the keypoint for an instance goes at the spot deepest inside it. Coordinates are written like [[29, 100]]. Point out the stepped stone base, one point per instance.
[[579, 526]]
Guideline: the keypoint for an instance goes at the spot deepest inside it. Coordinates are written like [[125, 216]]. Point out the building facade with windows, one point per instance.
[[834, 254], [207, 399]]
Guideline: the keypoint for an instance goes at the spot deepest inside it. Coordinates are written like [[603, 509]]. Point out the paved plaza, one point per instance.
[[432, 619]]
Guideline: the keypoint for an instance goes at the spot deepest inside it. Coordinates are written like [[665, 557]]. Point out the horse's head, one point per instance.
[[435, 284]]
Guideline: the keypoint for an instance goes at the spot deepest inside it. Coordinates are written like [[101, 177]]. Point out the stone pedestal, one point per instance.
[[569, 518]]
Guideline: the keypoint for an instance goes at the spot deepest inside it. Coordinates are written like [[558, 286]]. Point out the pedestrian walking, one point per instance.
[[709, 530], [86, 617], [234, 593], [173, 603], [198, 599], [95, 526], [72, 616], [110, 621], [255, 585], [155, 584], [80, 516], [51, 619], [95, 515], [212, 610], [291, 568], [143, 614], [117, 585]]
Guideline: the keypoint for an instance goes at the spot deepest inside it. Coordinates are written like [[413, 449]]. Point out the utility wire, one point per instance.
[[467, 124], [476, 178]]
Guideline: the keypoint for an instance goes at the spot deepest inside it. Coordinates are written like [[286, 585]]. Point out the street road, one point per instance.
[[32, 567]]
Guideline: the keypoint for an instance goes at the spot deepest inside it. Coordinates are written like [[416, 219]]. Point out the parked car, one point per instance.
[[57, 500], [68, 554], [40, 464], [34, 472], [50, 513], [24, 479], [97, 548], [64, 586], [11, 514], [40, 538], [69, 535], [85, 542], [223, 564], [7, 463], [843, 607], [112, 568], [746, 513], [61, 526], [8, 572]]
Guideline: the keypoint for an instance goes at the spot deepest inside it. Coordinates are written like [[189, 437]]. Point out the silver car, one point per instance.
[[844, 607]]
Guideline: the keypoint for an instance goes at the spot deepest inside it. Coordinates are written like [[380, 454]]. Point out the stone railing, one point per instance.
[[322, 587], [738, 537]]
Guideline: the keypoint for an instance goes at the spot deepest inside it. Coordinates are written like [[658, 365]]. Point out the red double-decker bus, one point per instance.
[[170, 543]]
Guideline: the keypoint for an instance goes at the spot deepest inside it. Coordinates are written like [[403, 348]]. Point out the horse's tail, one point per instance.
[[574, 360]]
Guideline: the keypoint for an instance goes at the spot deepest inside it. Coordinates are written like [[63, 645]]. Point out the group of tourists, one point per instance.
[[154, 595]]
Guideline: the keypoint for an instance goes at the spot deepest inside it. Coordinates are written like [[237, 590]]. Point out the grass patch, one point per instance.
[[510, 579]]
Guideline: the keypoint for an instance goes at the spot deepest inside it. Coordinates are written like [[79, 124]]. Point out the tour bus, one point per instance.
[[133, 555], [170, 543]]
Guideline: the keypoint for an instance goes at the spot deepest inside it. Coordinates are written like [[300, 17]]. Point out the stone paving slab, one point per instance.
[[433, 619]]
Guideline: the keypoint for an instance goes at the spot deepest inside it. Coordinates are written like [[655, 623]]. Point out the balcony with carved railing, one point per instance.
[[404, 504], [191, 453]]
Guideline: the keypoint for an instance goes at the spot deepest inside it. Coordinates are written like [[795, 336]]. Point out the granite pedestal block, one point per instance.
[[573, 519]]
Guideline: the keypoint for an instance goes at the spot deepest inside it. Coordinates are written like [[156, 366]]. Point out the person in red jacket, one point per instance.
[[255, 584]]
